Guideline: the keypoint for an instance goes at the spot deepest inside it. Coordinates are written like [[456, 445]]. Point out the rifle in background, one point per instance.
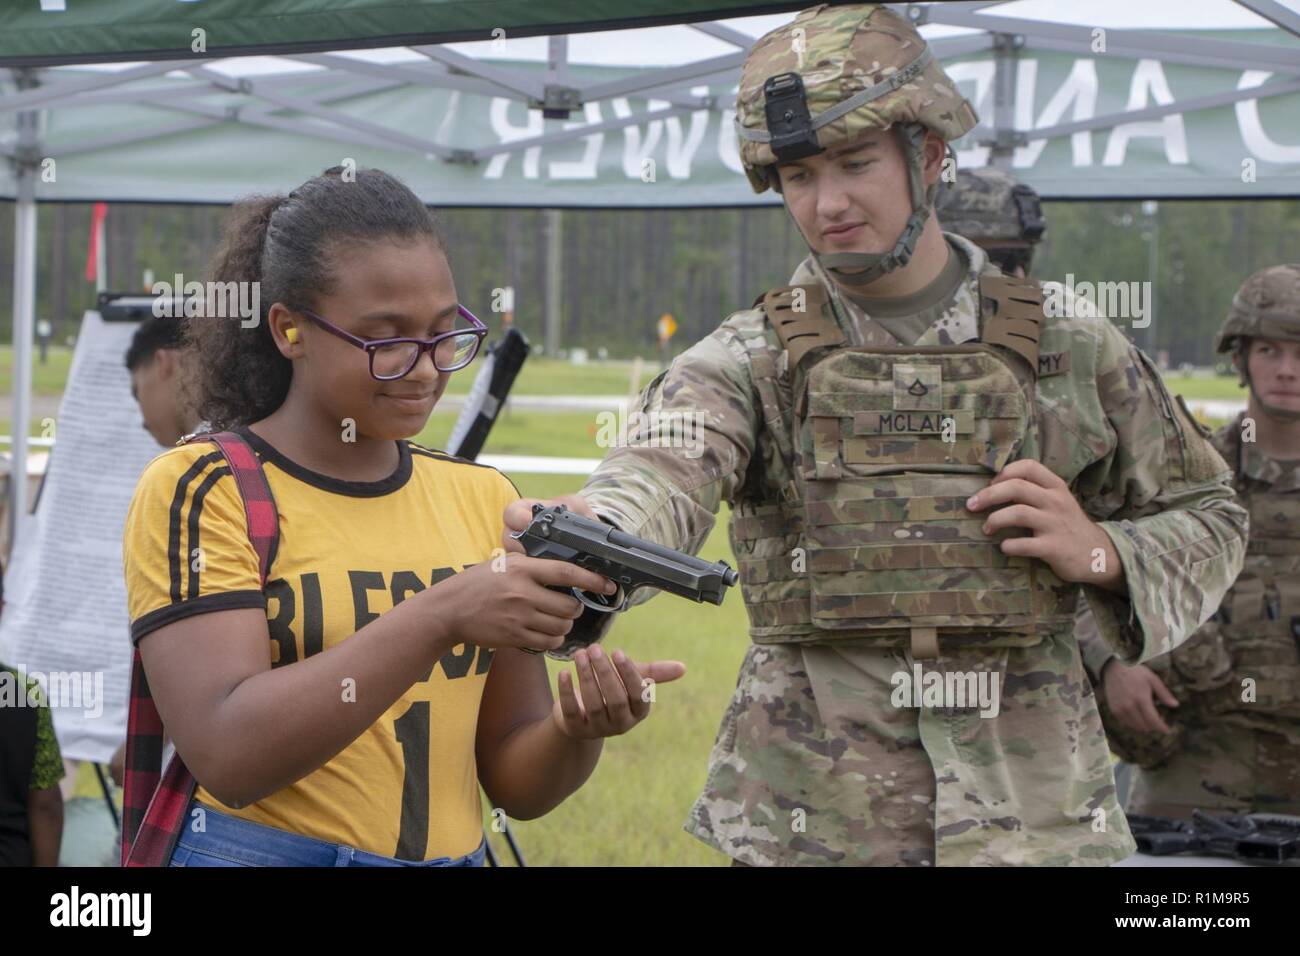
[[1252, 838]]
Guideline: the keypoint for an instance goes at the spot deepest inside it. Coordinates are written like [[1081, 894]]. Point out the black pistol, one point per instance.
[[630, 562]]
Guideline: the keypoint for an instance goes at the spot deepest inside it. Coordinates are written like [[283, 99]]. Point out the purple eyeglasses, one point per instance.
[[394, 358]]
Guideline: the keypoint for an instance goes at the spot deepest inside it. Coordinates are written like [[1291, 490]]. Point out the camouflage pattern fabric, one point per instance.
[[1235, 745], [985, 206], [840, 51], [1222, 768], [880, 488], [1267, 305], [813, 762]]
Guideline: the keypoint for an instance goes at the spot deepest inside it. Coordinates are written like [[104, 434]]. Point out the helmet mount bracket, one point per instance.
[[788, 119]]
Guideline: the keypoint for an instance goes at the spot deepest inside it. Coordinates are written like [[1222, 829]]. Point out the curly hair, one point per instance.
[[156, 332], [286, 244]]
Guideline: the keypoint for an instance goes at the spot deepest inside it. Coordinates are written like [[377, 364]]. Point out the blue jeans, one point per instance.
[[230, 841]]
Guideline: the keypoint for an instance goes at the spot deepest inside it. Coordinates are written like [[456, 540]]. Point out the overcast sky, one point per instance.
[[666, 46]]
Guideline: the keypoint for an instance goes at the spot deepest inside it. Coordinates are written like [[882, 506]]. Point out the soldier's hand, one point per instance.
[[1130, 694], [1028, 495], [613, 694], [519, 513]]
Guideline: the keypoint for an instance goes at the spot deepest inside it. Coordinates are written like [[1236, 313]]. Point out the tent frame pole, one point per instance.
[[1005, 136], [1275, 13], [26, 161], [1183, 107], [1127, 44]]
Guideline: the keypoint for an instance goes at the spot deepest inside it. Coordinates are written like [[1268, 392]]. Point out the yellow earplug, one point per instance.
[[292, 335]]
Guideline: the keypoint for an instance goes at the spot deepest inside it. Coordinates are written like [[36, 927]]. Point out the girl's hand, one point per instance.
[[510, 601], [613, 694]]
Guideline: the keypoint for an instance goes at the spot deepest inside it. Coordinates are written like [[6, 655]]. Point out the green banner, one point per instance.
[[50, 32], [203, 144]]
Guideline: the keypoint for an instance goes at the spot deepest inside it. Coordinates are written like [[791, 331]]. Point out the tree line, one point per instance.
[[623, 268]]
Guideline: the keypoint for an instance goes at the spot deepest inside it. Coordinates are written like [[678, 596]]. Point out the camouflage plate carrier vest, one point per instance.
[[874, 452], [1254, 635]]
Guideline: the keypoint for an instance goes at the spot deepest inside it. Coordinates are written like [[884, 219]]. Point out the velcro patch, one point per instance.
[[960, 421], [918, 387], [1053, 363]]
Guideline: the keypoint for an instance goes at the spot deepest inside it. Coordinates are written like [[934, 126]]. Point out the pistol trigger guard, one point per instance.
[[617, 600]]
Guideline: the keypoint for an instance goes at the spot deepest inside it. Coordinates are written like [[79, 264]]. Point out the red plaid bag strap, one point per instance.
[[154, 803], [259, 505]]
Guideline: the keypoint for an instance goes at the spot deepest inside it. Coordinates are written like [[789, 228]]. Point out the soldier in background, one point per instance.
[[996, 212], [1004, 217], [924, 468], [1215, 725]]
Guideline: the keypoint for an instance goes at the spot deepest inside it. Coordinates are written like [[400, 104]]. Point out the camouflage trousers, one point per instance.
[[1222, 768], [814, 764]]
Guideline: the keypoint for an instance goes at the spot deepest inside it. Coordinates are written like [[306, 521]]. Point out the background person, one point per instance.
[[31, 804], [998, 213], [1215, 725]]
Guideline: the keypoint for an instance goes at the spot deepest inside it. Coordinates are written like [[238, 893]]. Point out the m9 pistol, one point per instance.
[[630, 562]]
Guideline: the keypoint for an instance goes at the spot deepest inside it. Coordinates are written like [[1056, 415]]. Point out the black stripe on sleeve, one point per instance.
[[196, 512], [174, 520], [225, 601]]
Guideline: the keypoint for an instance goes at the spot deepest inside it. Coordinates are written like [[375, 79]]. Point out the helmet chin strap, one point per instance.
[[863, 268], [1281, 414]]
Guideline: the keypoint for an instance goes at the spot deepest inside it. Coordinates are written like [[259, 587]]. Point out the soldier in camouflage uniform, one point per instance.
[[861, 423], [1000, 215], [1228, 736]]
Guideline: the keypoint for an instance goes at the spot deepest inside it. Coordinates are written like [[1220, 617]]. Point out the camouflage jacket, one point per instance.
[[1235, 746], [813, 763], [1216, 655]]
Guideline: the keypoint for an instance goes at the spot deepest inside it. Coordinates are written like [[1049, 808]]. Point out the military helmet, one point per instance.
[[832, 74], [1266, 306], [991, 208]]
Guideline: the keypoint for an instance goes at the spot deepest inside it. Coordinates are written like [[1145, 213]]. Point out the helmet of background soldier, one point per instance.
[[832, 74], [995, 211], [1266, 306]]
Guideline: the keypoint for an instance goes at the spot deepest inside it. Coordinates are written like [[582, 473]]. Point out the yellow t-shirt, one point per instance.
[[348, 551]]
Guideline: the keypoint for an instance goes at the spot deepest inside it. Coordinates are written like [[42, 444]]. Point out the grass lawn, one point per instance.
[[47, 379], [552, 434], [551, 376], [539, 376], [35, 430], [1214, 387]]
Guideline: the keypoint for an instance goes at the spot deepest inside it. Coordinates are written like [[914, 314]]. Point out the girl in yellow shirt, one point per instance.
[[346, 713]]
